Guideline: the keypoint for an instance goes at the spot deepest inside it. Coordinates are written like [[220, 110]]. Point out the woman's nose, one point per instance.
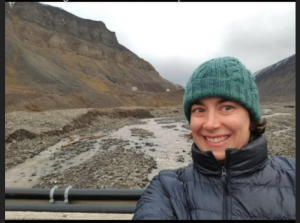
[[211, 122]]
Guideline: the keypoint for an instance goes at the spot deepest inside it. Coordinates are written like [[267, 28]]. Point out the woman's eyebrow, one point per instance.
[[198, 103], [222, 100]]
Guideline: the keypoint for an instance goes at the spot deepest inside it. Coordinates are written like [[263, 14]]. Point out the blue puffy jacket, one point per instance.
[[250, 185]]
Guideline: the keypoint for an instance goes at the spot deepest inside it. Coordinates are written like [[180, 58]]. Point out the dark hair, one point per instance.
[[256, 129]]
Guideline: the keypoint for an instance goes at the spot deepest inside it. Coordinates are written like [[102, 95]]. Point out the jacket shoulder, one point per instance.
[[175, 173], [180, 174], [282, 163], [164, 198]]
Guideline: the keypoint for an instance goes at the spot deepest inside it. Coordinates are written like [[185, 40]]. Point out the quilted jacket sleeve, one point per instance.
[[154, 203]]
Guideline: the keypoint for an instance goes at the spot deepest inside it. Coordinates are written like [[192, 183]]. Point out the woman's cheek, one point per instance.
[[195, 124]]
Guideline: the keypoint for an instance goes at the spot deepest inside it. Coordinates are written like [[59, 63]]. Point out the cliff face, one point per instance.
[[55, 60], [61, 21], [277, 82]]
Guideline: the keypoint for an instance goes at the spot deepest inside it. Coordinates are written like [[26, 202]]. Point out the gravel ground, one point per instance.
[[281, 128], [28, 134], [112, 169]]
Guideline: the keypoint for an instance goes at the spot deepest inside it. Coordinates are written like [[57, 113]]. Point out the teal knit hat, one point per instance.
[[223, 77]]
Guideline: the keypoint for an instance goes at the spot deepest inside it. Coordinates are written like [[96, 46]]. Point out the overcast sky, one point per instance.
[[177, 37]]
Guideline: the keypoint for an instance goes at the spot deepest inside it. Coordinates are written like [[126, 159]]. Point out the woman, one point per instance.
[[232, 176]]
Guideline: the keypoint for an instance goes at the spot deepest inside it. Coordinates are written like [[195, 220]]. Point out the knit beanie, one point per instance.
[[223, 77]]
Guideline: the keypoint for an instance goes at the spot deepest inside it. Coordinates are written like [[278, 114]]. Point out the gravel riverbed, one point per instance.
[[112, 148]]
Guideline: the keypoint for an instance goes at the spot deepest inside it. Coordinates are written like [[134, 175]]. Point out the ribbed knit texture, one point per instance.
[[224, 77]]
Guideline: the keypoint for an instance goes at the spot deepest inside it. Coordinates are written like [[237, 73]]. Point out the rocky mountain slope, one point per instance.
[[277, 82], [55, 60]]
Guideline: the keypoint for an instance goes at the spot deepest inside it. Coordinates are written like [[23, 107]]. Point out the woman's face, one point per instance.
[[218, 124]]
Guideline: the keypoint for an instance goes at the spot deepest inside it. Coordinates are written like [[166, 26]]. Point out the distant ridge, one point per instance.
[[277, 82]]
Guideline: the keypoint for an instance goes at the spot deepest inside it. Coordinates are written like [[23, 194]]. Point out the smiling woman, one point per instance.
[[232, 176], [218, 124]]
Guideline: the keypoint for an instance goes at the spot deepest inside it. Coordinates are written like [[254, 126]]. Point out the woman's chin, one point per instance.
[[219, 155]]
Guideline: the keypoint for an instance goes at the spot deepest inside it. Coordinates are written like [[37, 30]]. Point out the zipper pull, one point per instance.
[[224, 179], [224, 171]]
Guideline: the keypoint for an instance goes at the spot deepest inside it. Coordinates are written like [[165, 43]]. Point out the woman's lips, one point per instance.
[[216, 141]]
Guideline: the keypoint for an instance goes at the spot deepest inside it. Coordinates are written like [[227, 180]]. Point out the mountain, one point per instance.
[[56, 60], [277, 82]]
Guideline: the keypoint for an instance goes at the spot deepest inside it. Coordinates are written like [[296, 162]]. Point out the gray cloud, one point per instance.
[[175, 70], [262, 41], [258, 42]]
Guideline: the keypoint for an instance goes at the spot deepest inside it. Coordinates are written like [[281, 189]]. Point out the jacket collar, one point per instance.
[[237, 161]]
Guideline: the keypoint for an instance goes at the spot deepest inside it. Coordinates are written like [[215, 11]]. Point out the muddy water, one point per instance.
[[167, 146], [287, 129], [169, 143], [27, 174], [276, 114]]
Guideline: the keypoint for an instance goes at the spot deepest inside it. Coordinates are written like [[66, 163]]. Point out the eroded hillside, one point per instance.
[[55, 60]]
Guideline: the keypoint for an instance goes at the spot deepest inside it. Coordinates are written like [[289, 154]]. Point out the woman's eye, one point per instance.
[[198, 110], [227, 108]]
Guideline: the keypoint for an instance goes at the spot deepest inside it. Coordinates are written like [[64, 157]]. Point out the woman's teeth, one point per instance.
[[220, 139]]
